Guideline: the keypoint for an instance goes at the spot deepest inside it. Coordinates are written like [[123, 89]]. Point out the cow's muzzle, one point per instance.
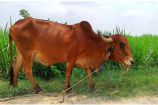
[[128, 62]]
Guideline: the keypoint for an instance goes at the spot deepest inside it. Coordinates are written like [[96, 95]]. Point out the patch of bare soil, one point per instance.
[[76, 99]]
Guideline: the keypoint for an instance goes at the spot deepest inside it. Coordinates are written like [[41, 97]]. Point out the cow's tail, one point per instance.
[[11, 58]]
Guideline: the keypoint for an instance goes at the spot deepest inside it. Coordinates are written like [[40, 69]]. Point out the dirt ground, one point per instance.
[[76, 99]]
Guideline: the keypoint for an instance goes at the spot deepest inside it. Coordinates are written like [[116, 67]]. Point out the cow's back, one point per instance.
[[49, 41]]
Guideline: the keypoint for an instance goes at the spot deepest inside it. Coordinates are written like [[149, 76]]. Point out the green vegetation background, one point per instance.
[[111, 81]]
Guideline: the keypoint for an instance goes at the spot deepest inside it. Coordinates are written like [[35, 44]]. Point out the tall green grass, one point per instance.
[[144, 49], [4, 53]]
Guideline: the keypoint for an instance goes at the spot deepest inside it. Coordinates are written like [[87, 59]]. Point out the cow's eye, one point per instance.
[[122, 45]]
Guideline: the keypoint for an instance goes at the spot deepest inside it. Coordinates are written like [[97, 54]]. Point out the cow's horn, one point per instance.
[[107, 39]]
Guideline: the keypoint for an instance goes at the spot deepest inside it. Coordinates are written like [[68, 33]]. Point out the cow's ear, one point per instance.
[[122, 45]]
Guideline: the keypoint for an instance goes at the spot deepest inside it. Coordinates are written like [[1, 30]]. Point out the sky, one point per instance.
[[137, 17]]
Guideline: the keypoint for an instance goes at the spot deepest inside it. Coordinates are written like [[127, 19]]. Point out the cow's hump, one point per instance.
[[86, 26], [89, 31]]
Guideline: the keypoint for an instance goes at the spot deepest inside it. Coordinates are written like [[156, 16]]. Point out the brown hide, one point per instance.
[[50, 42]]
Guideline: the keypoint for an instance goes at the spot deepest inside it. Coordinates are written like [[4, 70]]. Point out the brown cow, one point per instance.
[[49, 43]]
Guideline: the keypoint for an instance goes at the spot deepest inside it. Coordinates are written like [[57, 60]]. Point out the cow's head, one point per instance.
[[120, 51]]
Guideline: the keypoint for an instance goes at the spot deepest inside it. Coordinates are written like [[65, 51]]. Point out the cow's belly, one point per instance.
[[48, 59], [85, 63], [82, 63]]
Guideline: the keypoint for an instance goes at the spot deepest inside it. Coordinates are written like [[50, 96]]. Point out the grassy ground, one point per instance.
[[109, 83]]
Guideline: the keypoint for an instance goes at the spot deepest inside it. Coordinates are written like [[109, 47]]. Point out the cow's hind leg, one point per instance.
[[16, 67], [27, 63]]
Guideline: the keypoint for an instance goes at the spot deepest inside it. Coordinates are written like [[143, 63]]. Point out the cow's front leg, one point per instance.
[[68, 76], [91, 83]]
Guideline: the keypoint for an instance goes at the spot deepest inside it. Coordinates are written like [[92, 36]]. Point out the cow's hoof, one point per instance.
[[37, 89], [92, 86]]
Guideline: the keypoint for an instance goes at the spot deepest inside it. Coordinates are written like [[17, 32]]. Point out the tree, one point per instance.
[[24, 13]]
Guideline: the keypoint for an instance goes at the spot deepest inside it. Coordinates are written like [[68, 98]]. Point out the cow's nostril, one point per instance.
[[132, 62]]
